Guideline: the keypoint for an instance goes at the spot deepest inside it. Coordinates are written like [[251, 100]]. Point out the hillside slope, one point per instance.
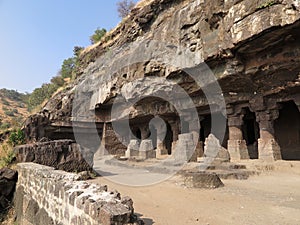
[[13, 109]]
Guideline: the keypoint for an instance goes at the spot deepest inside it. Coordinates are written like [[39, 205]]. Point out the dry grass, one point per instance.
[[143, 3], [6, 154], [9, 218], [10, 105]]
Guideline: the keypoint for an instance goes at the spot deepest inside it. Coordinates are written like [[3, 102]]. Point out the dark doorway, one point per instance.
[[168, 139], [205, 128], [251, 133], [287, 131], [138, 134], [219, 132]]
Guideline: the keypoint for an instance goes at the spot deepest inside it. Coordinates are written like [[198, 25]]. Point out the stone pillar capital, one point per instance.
[[257, 103], [235, 120], [269, 115], [266, 120]]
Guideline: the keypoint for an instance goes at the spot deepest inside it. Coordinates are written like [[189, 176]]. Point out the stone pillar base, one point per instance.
[[133, 149], [238, 150], [146, 150], [268, 150], [161, 150], [149, 154], [185, 149]]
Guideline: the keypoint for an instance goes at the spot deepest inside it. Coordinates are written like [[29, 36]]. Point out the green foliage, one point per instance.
[[67, 67], [77, 50], [39, 95], [267, 4], [12, 94], [5, 102], [4, 126], [7, 155], [16, 137], [124, 7], [97, 36], [10, 112]]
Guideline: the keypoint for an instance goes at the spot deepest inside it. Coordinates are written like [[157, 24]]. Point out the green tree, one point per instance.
[[39, 95], [77, 50], [98, 34], [67, 67], [16, 137], [124, 7]]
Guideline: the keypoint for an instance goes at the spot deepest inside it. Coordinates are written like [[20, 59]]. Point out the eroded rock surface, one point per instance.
[[202, 180], [8, 180], [61, 154]]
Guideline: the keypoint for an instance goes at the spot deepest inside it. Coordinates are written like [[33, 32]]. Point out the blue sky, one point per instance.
[[37, 35]]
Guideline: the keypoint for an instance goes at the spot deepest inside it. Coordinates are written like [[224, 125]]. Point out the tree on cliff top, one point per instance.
[[124, 7], [98, 34], [68, 67]]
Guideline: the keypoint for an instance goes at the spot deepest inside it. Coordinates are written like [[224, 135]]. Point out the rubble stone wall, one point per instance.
[[48, 196]]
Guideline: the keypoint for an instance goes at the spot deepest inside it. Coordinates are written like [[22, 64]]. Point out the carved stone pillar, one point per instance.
[[195, 130], [161, 133], [268, 148], [237, 146], [184, 151], [102, 150]]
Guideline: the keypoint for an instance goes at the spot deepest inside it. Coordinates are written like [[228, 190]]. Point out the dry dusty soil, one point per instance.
[[273, 197]]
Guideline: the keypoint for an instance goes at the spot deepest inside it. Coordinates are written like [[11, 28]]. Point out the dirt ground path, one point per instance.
[[270, 198]]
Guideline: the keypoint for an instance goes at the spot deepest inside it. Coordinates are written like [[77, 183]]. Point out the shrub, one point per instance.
[[98, 34], [4, 126], [16, 137], [5, 102], [7, 155], [266, 4], [9, 112]]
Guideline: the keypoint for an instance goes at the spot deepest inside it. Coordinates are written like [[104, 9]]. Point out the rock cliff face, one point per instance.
[[250, 47]]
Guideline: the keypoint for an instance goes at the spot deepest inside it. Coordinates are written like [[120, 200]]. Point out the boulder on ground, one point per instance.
[[202, 180]]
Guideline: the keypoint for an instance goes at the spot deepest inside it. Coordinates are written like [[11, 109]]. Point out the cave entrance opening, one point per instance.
[[138, 134], [168, 140], [250, 130], [287, 131]]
